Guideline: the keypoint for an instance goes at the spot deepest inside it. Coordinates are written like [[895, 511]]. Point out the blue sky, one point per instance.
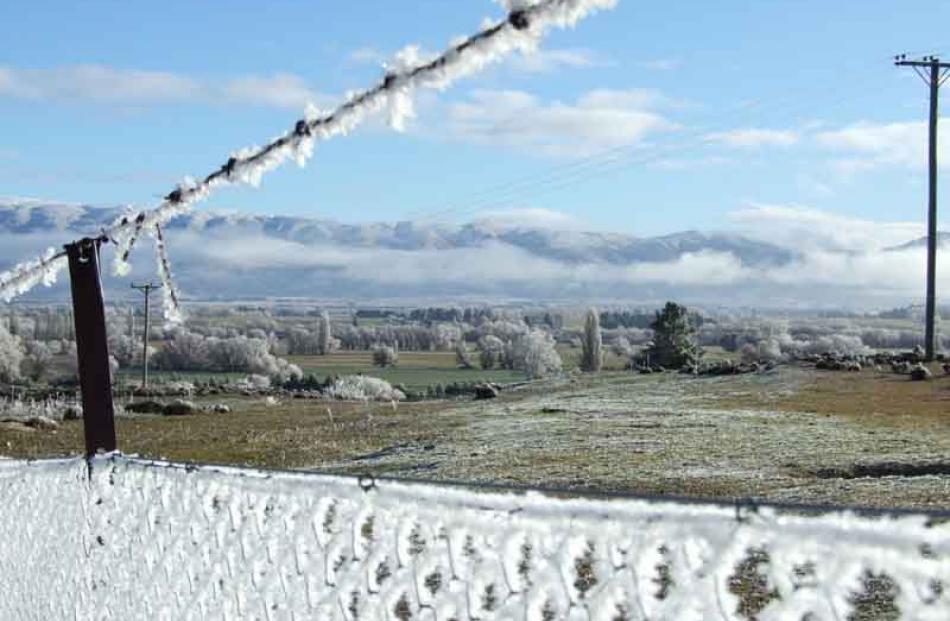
[[650, 118]]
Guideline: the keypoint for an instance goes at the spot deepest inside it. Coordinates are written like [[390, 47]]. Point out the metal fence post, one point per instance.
[[92, 348]]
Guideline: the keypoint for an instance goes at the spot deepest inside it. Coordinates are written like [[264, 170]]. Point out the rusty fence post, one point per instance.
[[92, 348]]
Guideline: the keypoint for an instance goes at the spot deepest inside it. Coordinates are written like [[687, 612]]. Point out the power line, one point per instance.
[[603, 163]]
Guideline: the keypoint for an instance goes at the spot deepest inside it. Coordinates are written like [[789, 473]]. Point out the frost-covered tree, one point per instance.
[[128, 350], [36, 362], [621, 347], [11, 356], [324, 333], [183, 351], [491, 350], [592, 356], [385, 356], [187, 351], [534, 353], [674, 343], [462, 357]]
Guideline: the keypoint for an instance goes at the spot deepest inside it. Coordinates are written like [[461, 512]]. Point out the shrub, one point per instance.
[[385, 356], [363, 388]]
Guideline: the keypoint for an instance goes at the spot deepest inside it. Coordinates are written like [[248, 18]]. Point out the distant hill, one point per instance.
[[560, 245], [218, 255], [943, 239]]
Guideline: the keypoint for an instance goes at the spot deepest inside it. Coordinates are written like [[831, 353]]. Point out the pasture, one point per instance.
[[793, 434]]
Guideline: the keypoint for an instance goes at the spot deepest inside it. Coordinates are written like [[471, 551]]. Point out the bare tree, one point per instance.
[[592, 356]]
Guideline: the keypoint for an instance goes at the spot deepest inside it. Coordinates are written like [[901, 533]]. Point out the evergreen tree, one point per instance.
[[674, 343]]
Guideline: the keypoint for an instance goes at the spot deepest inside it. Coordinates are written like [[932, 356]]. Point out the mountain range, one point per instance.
[[224, 255]]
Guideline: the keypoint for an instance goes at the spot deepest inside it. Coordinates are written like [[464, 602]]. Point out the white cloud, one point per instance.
[[868, 146], [282, 90], [598, 120], [96, 83], [754, 137], [104, 84], [547, 61], [805, 228], [816, 277]]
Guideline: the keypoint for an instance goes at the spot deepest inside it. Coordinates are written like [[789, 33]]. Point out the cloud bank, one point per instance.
[[102, 84]]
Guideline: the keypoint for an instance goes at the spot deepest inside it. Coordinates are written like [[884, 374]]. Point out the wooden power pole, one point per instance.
[[934, 73], [147, 290], [92, 346]]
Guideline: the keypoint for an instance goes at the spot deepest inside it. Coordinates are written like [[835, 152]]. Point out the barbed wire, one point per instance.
[[521, 30], [171, 305]]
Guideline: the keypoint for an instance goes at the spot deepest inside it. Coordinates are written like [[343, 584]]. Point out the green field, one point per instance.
[[415, 370]]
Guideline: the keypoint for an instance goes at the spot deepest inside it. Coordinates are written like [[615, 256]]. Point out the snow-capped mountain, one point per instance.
[[562, 245], [240, 255]]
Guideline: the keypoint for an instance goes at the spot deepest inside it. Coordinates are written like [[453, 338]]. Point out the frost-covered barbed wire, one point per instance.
[[170, 297], [23, 277], [526, 23]]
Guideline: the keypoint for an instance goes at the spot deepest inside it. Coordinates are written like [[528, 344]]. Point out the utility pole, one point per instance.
[[147, 290], [934, 73]]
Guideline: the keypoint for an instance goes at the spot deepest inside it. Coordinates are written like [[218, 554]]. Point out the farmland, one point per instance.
[[792, 434]]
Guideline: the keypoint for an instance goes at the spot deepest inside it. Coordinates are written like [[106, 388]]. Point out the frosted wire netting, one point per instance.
[[140, 540]]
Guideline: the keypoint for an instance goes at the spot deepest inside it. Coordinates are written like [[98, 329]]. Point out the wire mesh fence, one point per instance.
[[131, 538]]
